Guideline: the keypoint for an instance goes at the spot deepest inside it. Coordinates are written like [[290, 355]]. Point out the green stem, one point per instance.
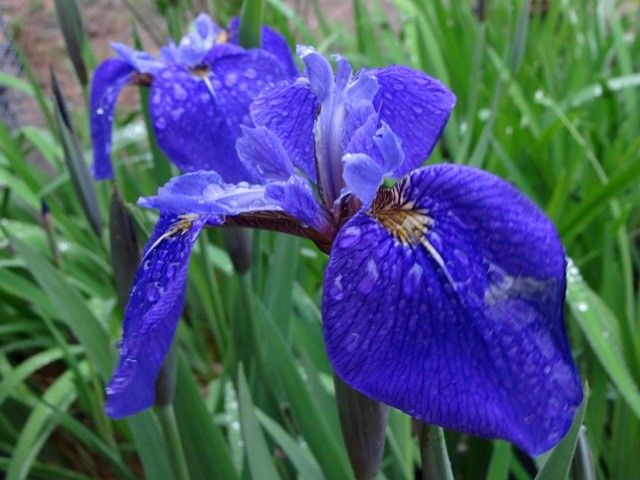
[[167, 418], [250, 34], [433, 451]]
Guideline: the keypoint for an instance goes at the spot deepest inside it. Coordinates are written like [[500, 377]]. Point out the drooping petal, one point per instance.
[[191, 126], [142, 62], [416, 107], [108, 80], [261, 152], [289, 110], [445, 300], [204, 193], [286, 206], [151, 317]]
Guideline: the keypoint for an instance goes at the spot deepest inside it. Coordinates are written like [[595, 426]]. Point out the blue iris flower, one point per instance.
[[200, 94], [443, 295]]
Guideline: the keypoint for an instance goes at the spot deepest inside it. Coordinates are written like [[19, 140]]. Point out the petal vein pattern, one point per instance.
[[468, 333]]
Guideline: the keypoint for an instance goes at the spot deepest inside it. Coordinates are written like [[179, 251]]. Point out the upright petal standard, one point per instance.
[[444, 293]]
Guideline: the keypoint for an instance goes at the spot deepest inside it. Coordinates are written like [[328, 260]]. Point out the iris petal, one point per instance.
[[262, 154], [151, 317], [445, 300], [289, 111], [191, 126], [416, 107], [106, 84], [204, 193]]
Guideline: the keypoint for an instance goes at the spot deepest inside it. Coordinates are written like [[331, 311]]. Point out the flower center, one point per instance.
[[406, 223]]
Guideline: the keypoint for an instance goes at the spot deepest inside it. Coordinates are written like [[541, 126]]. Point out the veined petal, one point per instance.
[[152, 314], [416, 107], [289, 111], [262, 154], [142, 62], [297, 199], [204, 193], [362, 175], [108, 80], [191, 126], [202, 36], [445, 300], [318, 71], [238, 78], [276, 44]]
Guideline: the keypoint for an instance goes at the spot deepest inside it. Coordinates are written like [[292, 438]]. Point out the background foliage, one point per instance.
[[548, 98]]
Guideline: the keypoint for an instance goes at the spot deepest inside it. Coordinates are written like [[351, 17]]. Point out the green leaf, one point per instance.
[[601, 328], [559, 461], [250, 32], [78, 170], [308, 416], [258, 456], [301, 457], [71, 25], [207, 454], [40, 424], [70, 307], [125, 255]]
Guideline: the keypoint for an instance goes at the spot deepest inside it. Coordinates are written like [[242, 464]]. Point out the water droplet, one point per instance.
[[250, 73], [461, 257], [336, 291], [538, 96], [369, 279], [179, 92], [417, 109], [177, 113], [161, 123], [100, 111], [350, 236], [230, 79], [152, 292], [582, 306], [411, 281], [172, 269]]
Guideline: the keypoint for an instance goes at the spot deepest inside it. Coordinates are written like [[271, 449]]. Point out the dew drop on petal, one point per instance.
[[461, 257], [350, 236], [250, 73], [153, 292], [179, 92], [411, 281], [161, 123], [368, 281], [336, 291], [230, 79]]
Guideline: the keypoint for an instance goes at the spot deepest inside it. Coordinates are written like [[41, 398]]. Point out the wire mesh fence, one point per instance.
[[10, 100]]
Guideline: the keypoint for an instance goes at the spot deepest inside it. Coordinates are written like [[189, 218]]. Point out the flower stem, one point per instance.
[[250, 34], [433, 452]]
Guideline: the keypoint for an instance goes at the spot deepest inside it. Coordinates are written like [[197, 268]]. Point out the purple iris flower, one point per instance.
[[443, 294], [200, 94]]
